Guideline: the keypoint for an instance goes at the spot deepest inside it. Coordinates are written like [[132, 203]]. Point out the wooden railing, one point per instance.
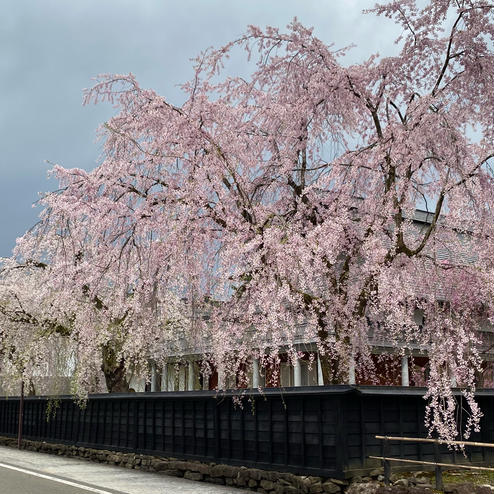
[[436, 463]]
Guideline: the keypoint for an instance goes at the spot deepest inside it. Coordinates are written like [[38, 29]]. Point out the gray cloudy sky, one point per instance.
[[50, 50]]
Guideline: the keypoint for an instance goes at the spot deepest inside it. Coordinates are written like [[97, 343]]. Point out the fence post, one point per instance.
[[136, 423], [21, 416], [439, 472], [217, 439], [340, 438], [386, 463]]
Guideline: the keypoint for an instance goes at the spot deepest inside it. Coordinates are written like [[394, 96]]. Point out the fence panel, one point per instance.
[[312, 430]]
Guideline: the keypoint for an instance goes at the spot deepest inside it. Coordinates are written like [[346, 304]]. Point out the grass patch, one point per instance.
[[451, 477], [470, 476]]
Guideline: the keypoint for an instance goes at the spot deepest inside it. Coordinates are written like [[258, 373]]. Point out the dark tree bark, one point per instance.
[[114, 370]]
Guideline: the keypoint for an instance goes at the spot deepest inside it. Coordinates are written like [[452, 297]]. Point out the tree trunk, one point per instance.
[[114, 370], [335, 369], [31, 391]]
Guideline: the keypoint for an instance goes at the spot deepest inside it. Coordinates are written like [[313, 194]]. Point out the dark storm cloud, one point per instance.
[[50, 49]]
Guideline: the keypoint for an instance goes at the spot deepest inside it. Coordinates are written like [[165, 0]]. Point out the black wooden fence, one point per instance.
[[327, 431]]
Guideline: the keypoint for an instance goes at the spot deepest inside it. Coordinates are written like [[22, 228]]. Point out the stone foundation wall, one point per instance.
[[254, 479]]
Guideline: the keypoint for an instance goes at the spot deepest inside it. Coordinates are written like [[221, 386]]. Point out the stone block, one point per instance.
[[223, 471], [467, 489], [193, 476], [241, 479], [203, 468], [215, 480], [376, 472], [267, 484], [402, 482], [159, 465], [255, 473], [341, 483], [286, 489], [173, 472], [330, 487], [364, 488]]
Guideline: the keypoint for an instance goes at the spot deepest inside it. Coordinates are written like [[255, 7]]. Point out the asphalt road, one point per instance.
[[27, 472], [19, 482]]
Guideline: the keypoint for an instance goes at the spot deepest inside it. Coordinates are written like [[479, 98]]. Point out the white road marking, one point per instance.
[[55, 479]]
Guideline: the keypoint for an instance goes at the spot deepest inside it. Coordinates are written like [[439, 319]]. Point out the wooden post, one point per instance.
[[320, 377], [297, 373], [405, 379], [154, 378], [351, 372], [386, 463], [340, 445], [255, 373], [21, 416], [164, 377], [439, 471], [190, 376], [217, 439]]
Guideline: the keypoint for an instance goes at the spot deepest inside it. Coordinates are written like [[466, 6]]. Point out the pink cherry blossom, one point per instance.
[[284, 207]]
